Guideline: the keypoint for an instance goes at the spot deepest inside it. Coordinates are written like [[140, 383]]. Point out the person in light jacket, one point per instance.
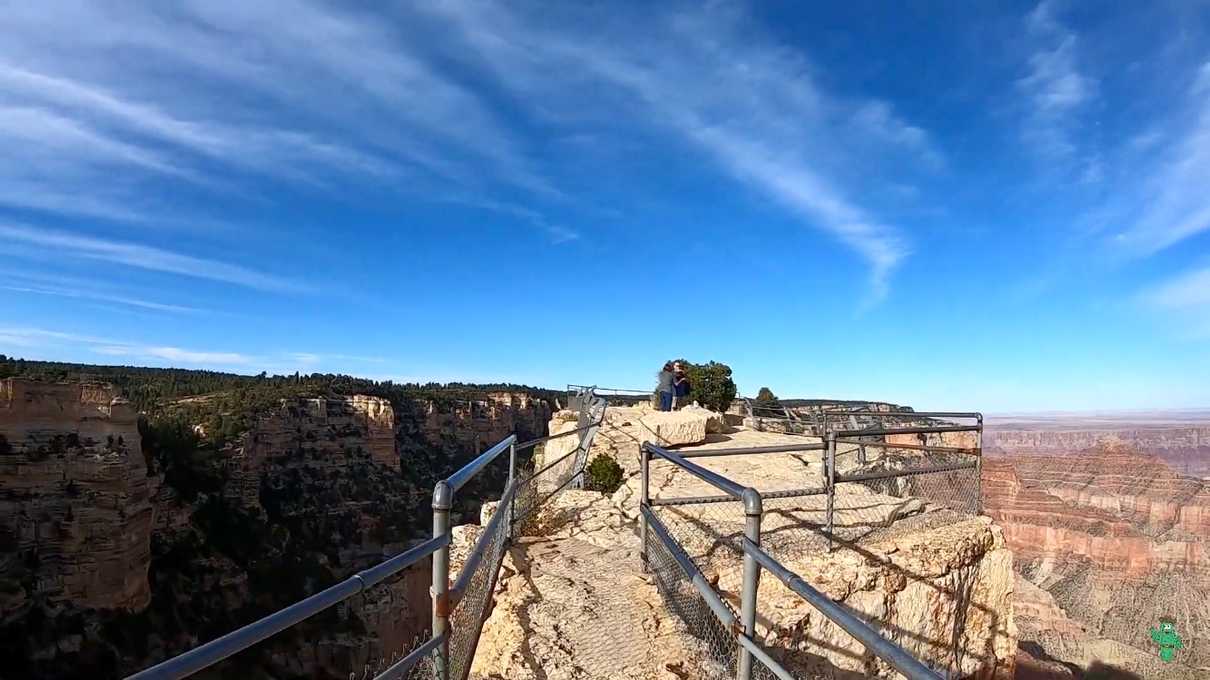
[[665, 388]]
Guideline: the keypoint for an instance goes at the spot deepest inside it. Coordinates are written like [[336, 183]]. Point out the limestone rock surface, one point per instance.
[[715, 422], [673, 428]]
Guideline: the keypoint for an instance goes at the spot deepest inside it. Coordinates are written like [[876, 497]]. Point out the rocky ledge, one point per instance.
[[572, 602]]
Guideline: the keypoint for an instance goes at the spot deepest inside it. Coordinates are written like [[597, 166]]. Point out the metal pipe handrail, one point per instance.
[[905, 472], [461, 477], [709, 476], [781, 448], [616, 390], [699, 582], [909, 430], [542, 440], [712, 599], [914, 447], [881, 647], [480, 549], [906, 414], [763, 656], [236, 641], [402, 667]]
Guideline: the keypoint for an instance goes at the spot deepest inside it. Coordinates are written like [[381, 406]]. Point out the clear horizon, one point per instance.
[[999, 208]]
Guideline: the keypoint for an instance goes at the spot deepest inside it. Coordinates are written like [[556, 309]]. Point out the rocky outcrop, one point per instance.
[[570, 605], [1114, 539], [377, 420], [674, 428], [75, 498], [715, 422], [454, 427], [939, 581]]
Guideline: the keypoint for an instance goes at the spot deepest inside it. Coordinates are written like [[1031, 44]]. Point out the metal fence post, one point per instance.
[[753, 508], [979, 467], [512, 472], [644, 500], [830, 484], [443, 497]]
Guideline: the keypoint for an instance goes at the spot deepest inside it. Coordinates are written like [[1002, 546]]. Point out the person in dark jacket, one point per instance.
[[666, 386], [680, 386]]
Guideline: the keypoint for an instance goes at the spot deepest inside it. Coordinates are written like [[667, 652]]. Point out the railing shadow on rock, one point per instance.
[[459, 607], [711, 545]]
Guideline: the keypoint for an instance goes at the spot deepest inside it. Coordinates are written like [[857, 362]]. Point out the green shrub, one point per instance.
[[603, 474], [766, 396], [710, 384]]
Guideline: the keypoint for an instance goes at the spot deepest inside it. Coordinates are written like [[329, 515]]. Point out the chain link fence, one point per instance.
[[711, 535], [719, 649], [475, 586], [539, 481]]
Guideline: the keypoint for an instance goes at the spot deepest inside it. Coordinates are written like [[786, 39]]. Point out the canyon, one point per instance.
[[1108, 538], [117, 551], [1179, 438]]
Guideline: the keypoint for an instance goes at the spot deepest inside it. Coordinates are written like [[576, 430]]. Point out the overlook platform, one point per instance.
[[846, 545], [573, 600]]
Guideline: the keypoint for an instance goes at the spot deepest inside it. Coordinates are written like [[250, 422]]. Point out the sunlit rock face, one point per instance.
[[75, 497], [1115, 539], [1185, 449], [572, 593]]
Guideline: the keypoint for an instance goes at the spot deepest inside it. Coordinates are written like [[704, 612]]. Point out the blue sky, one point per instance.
[[996, 206]]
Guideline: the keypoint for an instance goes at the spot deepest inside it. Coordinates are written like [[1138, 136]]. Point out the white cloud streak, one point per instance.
[[1055, 87], [101, 297], [147, 257], [748, 103], [38, 340], [1169, 202]]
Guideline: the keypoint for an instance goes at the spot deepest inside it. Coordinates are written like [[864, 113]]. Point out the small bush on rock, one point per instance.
[[604, 475]]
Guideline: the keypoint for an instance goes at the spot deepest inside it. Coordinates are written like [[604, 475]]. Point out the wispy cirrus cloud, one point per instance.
[[147, 257], [748, 103], [177, 355], [393, 118], [1056, 88], [83, 294], [1169, 204], [18, 339]]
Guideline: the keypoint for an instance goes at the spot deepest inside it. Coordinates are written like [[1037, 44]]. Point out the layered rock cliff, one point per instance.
[[75, 498], [1186, 449], [116, 557], [1116, 539]]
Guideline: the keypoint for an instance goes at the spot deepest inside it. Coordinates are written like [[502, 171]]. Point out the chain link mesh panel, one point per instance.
[[466, 619], [942, 478], [712, 535], [534, 489], [719, 648], [423, 668]]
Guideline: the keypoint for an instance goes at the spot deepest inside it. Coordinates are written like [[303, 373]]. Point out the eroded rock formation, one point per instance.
[[1115, 539], [75, 498]]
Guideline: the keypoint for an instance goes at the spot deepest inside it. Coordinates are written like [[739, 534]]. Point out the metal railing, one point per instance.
[[616, 395], [237, 641], [458, 607], [706, 539]]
